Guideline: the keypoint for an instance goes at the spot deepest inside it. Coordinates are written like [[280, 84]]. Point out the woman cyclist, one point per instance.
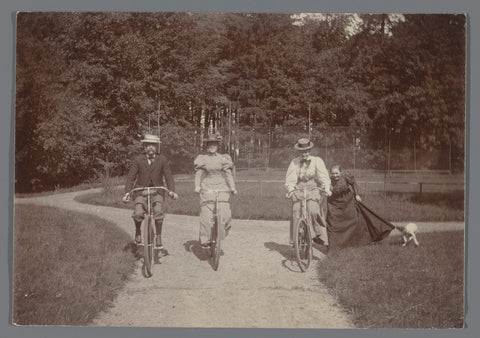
[[213, 171]]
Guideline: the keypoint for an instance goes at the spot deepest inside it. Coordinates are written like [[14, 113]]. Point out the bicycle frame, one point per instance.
[[217, 232], [216, 202], [302, 238], [149, 246], [303, 201], [304, 205]]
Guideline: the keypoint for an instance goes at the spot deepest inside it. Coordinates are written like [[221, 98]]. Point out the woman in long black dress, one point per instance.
[[349, 222]]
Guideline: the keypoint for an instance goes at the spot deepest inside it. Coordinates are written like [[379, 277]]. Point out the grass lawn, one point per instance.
[[267, 201], [84, 262], [387, 286], [67, 266]]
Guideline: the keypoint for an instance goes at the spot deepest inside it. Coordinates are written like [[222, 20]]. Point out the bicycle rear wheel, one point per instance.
[[302, 244], [215, 246], [148, 244]]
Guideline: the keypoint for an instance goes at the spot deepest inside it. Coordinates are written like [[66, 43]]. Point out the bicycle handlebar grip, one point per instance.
[[322, 191], [212, 190]]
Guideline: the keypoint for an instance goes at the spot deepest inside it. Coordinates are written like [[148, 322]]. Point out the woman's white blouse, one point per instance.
[[315, 169]]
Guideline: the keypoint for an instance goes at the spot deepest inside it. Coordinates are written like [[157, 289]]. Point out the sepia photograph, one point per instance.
[[239, 170]]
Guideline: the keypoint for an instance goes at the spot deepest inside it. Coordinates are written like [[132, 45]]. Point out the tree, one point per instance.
[[90, 84]]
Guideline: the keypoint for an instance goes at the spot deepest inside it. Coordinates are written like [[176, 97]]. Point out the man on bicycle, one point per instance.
[[309, 171], [149, 170]]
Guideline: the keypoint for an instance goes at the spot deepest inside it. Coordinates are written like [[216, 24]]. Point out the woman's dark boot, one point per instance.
[[138, 232], [158, 240]]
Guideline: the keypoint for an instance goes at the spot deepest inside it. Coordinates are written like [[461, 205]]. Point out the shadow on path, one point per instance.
[[195, 248], [283, 249], [287, 252], [137, 251], [322, 248], [290, 260], [134, 249]]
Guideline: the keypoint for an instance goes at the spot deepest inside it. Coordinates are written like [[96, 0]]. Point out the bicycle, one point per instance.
[[148, 228], [217, 232], [302, 235]]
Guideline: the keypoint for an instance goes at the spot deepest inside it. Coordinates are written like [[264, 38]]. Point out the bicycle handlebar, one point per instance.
[[129, 194], [322, 191], [215, 191]]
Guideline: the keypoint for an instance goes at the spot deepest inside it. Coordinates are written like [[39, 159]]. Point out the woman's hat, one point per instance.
[[304, 144], [212, 138], [150, 139]]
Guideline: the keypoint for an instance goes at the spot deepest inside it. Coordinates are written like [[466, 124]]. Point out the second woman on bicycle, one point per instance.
[[308, 171], [213, 171]]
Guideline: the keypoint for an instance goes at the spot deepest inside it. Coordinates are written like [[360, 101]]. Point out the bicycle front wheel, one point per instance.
[[302, 244], [148, 244], [215, 246]]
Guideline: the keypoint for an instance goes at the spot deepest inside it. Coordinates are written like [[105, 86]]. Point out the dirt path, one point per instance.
[[257, 285]]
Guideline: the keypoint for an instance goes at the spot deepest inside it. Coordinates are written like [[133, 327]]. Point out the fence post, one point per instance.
[[450, 158], [414, 156], [354, 139], [388, 163]]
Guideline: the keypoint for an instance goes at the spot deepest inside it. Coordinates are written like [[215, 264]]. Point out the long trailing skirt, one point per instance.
[[351, 223]]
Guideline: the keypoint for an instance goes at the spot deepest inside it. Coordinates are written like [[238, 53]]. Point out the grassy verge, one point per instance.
[[67, 266], [268, 201], [114, 181], [387, 286]]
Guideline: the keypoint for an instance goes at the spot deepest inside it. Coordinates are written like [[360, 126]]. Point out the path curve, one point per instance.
[[257, 285]]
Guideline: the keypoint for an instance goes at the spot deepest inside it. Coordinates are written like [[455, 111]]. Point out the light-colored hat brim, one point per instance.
[[310, 146]]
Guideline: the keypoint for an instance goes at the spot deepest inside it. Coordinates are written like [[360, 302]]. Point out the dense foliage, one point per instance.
[[88, 85]]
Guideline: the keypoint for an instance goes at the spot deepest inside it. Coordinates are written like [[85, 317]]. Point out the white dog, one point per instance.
[[408, 231]]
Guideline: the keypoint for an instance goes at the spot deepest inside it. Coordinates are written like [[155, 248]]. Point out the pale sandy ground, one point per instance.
[[257, 285]]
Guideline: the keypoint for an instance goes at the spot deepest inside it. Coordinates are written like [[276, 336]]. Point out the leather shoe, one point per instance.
[[318, 240]]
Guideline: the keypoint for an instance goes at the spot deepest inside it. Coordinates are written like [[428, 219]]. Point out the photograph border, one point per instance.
[[8, 9]]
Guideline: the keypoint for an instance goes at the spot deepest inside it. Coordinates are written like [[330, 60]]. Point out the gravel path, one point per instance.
[[257, 285]]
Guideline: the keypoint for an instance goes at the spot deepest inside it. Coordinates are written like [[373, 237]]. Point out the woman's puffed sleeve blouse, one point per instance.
[[199, 163], [226, 161], [220, 161], [214, 172], [352, 182]]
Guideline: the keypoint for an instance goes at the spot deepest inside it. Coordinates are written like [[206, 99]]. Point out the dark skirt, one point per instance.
[[351, 223], [377, 227]]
